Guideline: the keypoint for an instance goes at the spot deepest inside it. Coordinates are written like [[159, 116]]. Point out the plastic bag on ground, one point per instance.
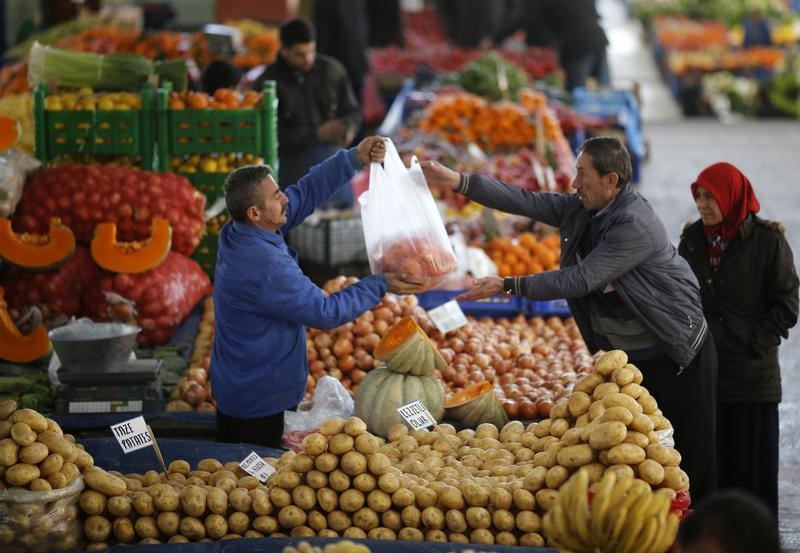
[[403, 230], [330, 400]]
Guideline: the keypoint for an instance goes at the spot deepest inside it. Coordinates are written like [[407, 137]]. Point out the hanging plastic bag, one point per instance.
[[403, 230]]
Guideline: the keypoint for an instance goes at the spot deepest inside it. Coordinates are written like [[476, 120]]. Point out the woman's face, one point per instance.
[[707, 207]]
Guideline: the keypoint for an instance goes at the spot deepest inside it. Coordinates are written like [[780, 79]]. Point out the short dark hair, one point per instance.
[[296, 31], [609, 155], [220, 74], [243, 189], [737, 521]]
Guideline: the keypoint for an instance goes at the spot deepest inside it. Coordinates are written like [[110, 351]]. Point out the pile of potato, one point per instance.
[[40, 470], [344, 546], [610, 422]]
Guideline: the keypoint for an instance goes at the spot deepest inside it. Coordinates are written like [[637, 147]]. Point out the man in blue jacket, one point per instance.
[[626, 285], [263, 301]]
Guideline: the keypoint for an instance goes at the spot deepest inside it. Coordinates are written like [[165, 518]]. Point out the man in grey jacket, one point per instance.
[[626, 285]]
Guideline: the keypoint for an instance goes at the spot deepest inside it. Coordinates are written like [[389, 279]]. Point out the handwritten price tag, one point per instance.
[[416, 415], [448, 316], [132, 434], [254, 465]]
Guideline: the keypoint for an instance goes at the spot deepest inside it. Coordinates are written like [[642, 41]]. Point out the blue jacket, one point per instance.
[[263, 302], [633, 254]]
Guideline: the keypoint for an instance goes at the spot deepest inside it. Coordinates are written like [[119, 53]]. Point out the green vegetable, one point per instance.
[[483, 77]]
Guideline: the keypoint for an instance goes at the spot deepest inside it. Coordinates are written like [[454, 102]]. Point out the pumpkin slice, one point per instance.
[[476, 404], [36, 252], [131, 257], [407, 349], [18, 347], [10, 130]]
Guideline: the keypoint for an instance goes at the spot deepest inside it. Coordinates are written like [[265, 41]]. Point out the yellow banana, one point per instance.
[[600, 503], [669, 530], [580, 506], [649, 534], [625, 511]]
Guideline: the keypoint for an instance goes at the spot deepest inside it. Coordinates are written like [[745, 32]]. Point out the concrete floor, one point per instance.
[[766, 151]]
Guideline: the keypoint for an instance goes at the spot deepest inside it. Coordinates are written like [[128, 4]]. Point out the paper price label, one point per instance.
[[448, 316], [416, 415], [132, 434], [254, 465]]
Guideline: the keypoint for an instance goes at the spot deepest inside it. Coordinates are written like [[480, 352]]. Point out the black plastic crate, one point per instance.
[[330, 239]]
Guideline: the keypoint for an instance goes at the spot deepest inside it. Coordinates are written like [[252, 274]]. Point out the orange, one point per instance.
[[197, 100], [9, 132]]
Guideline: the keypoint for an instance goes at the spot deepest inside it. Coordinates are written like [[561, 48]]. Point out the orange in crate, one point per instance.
[[524, 255]]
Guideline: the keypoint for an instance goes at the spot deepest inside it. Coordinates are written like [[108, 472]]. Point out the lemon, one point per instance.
[[209, 166]]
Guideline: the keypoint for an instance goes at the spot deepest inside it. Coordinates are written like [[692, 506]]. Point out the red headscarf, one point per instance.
[[734, 195]]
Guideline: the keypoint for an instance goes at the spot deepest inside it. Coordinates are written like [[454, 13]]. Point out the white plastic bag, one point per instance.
[[330, 400], [403, 230], [14, 168]]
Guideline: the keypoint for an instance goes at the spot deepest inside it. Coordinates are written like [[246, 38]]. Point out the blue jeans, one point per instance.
[[593, 64]]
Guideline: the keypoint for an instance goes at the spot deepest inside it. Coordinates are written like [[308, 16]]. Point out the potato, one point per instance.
[[474, 495], [239, 523], [559, 427], [648, 403], [34, 453], [209, 465], [578, 403], [316, 479], [216, 526], [626, 454], [58, 444], [542, 428], [366, 519], [332, 426], [354, 532], [665, 456], [165, 498], [528, 521], [261, 504], [365, 482], [605, 389], [98, 479], [339, 521], [425, 496], [338, 481], [280, 498], [119, 506], [607, 363], [179, 538], [92, 547], [192, 528], [367, 444], [675, 478], [9, 452], [607, 434], [286, 479], [5, 428], [651, 472], [97, 528], [381, 533], [240, 500], [378, 463], [403, 497], [133, 485], [637, 438], [57, 480], [29, 417], [193, 501], [300, 464], [389, 482], [503, 520], [303, 496], [327, 498], [315, 520], [340, 444], [22, 434], [354, 463], [71, 472], [40, 485], [7, 407], [546, 498], [21, 474], [560, 409], [556, 476], [92, 502], [265, 524], [588, 383], [354, 426], [410, 534], [351, 501], [616, 413], [123, 530], [326, 462], [575, 455]]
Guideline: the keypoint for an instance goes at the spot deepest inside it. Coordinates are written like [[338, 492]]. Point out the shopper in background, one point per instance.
[[317, 112], [625, 284], [342, 33], [749, 289], [263, 301], [574, 28], [220, 74], [469, 22], [730, 522], [385, 23]]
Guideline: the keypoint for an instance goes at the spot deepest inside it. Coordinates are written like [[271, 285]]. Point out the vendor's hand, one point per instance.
[[484, 288], [401, 283], [439, 176], [334, 131], [371, 149]]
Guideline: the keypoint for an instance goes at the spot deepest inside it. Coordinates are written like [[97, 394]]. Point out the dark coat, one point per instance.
[[750, 303]]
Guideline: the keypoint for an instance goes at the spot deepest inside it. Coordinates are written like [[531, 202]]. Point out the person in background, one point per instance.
[[625, 284], [220, 74], [385, 23], [317, 111], [342, 33], [730, 522], [749, 289], [263, 301], [469, 22], [574, 28]]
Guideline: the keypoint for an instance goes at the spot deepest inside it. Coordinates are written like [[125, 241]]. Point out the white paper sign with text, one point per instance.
[[132, 434], [416, 415], [448, 316], [254, 465]]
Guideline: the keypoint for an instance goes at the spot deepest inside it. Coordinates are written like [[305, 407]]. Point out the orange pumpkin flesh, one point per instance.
[[16, 347], [475, 405], [407, 349], [468, 394], [36, 252], [131, 257]]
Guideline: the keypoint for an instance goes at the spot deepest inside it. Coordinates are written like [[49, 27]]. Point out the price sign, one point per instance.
[[132, 434], [416, 415], [254, 465], [448, 316]]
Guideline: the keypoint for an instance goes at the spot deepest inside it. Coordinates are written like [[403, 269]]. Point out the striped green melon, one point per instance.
[[383, 390], [476, 404], [407, 349]]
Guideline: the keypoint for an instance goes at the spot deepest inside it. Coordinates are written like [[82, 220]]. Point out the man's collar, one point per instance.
[[247, 229]]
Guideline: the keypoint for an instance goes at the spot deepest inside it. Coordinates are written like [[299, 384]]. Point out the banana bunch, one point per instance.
[[625, 516]]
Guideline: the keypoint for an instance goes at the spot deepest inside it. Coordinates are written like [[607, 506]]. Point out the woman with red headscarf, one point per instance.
[[749, 289]]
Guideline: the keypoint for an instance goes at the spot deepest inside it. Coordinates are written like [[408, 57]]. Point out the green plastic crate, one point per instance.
[[204, 131], [206, 252], [95, 132], [210, 184]]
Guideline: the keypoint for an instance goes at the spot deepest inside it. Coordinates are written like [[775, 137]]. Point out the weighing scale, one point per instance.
[[133, 387]]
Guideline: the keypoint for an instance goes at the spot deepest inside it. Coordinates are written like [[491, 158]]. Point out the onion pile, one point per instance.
[[193, 390]]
